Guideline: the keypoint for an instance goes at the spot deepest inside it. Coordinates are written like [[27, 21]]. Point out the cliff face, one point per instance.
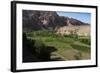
[[38, 20]]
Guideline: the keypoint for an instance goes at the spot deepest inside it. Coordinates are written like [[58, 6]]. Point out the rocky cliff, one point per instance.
[[50, 20]]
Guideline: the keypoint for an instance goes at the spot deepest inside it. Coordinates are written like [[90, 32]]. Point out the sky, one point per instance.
[[84, 17]]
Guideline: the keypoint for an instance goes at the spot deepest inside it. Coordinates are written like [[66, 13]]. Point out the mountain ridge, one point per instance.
[[38, 20]]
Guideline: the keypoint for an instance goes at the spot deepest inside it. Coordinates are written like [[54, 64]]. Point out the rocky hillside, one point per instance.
[[38, 20]]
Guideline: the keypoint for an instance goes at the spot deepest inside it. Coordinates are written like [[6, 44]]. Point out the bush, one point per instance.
[[39, 44], [85, 41], [73, 36]]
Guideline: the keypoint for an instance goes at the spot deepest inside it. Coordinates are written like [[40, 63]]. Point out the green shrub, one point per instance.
[[85, 41], [39, 44], [74, 36]]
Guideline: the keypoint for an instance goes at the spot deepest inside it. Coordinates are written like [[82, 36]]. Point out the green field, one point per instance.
[[69, 47]]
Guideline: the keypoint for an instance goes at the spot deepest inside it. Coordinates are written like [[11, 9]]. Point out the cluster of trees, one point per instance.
[[73, 35], [42, 33], [86, 41]]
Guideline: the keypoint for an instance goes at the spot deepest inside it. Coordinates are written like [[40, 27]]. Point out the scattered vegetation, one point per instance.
[[62, 43], [85, 41]]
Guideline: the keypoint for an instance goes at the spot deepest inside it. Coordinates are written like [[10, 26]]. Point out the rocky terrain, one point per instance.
[[37, 20]]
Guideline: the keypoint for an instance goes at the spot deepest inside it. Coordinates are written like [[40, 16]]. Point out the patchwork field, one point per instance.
[[68, 47]]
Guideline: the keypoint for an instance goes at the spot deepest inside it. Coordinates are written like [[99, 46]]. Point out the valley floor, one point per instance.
[[67, 47]]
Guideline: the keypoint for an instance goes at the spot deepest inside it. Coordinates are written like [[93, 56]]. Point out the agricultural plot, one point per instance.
[[65, 47]]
